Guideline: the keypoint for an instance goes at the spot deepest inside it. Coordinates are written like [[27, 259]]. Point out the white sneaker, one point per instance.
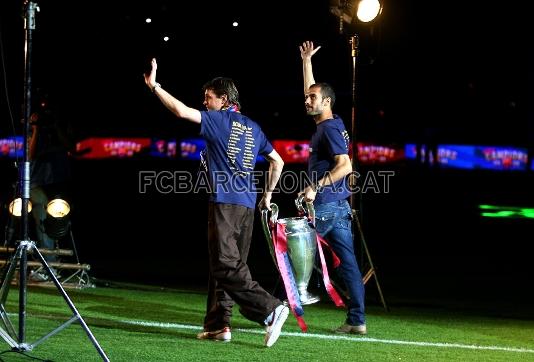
[[274, 326]]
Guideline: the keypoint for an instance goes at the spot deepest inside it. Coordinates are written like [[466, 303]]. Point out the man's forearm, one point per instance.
[[337, 173], [177, 107], [275, 170], [172, 104], [307, 72]]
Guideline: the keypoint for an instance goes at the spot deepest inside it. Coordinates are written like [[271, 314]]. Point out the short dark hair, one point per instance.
[[327, 91], [222, 85]]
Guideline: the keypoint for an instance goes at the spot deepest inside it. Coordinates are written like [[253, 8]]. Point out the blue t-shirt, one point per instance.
[[330, 139], [233, 144]]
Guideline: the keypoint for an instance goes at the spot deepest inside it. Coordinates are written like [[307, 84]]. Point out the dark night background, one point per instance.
[[427, 71]]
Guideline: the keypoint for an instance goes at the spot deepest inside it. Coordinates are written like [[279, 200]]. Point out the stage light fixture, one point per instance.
[[57, 220], [364, 10], [368, 10], [13, 222], [15, 207]]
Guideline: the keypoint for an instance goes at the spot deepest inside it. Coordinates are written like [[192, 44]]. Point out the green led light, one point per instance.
[[510, 212]]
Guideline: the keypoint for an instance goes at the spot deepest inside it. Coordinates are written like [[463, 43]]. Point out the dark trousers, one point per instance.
[[229, 237]]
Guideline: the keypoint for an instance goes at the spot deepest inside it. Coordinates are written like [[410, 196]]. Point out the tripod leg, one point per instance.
[[73, 245], [22, 293], [372, 270], [10, 334], [76, 315]]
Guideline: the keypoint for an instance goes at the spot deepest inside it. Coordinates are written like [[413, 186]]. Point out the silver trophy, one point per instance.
[[301, 243]]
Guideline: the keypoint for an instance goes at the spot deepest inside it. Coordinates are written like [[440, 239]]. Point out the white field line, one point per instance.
[[343, 338]]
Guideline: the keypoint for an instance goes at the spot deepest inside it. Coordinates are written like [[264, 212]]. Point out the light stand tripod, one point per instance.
[[372, 271], [25, 245], [81, 275]]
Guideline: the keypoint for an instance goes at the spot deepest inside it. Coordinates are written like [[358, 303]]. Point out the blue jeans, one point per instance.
[[333, 222]]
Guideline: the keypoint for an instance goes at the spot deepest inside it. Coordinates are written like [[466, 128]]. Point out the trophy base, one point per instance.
[[306, 298]]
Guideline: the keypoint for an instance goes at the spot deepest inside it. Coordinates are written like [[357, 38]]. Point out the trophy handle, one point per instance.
[[266, 221], [309, 211]]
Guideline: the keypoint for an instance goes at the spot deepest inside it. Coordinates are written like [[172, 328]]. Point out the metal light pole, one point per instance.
[[366, 11], [17, 341], [372, 271]]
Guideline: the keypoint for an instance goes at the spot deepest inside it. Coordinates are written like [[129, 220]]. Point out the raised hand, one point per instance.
[[307, 50], [150, 78]]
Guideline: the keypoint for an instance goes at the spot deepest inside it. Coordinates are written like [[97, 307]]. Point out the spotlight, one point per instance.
[[57, 220], [365, 10], [15, 207], [13, 222], [368, 10]]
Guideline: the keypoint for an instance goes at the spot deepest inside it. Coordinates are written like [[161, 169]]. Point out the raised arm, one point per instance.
[[173, 104], [307, 50], [276, 164]]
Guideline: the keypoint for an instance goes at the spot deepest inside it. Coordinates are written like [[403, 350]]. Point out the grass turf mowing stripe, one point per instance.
[[344, 338]]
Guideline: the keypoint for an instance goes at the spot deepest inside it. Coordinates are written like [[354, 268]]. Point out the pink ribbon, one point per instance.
[[280, 248], [326, 279]]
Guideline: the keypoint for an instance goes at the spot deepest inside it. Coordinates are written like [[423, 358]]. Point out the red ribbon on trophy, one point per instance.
[[326, 279], [284, 267]]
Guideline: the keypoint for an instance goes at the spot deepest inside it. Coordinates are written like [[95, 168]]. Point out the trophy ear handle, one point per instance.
[[298, 204], [309, 211], [268, 223], [274, 214]]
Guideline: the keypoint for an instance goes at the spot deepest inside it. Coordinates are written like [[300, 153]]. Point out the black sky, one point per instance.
[[460, 74]]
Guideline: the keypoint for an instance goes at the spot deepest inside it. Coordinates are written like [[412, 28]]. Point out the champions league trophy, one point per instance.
[[301, 244]]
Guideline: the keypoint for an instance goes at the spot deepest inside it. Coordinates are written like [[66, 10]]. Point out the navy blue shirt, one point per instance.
[[233, 144], [330, 139]]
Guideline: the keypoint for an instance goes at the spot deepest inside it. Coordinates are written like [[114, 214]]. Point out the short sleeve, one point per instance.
[[210, 121], [265, 146], [337, 141]]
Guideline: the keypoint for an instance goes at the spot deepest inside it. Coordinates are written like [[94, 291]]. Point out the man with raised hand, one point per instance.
[[329, 167], [233, 144]]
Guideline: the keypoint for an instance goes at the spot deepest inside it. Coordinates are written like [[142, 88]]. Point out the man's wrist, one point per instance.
[[156, 85]]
